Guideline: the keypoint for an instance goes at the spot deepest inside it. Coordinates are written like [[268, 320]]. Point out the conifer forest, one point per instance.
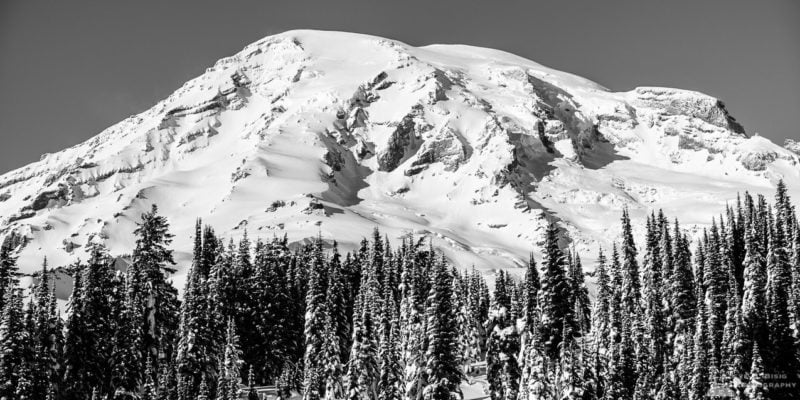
[[676, 314]]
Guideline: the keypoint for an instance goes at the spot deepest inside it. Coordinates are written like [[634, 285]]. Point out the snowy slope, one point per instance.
[[309, 131]]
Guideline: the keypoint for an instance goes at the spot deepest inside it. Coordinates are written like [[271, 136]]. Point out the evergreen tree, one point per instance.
[[442, 369], [682, 291], [555, 294], [126, 358], [569, 381], [315, 325], [716, 282], [13, 340], [601, 324], [580, 295], [335, 330], [154, 296], [755, 388], [363, 371], [412, 328], [631, 284], [89, 346], [74, 349], [781, 352], [25, 388], [469, 338], [700, 367], [535, 383], [203, 390], [331, 362], [503, 346], [42, 338], [274, 293], [195, 341], [229, 369], [531, 287], [390, 379], [622, 368], [8, 270], [653, 349]]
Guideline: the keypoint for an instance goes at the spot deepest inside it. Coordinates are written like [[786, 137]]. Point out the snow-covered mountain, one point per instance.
[[336, 133]]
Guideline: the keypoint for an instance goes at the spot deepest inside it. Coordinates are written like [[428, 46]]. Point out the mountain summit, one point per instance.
[[309, 132]]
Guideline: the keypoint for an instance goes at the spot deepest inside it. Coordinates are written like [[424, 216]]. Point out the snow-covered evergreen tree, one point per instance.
[[700, 365], [601, 338], [194, 352], [443, 375], [8, 270], [412, 328], [756, 389], [152, 292], [229, 376], [363, 365], [12, 343], [315, 325], [580, 296], [530, 296], [631, 282], [555, 295], [535, 379], [391, 371]]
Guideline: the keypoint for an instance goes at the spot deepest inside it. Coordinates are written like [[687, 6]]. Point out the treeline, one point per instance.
[[718, 317]]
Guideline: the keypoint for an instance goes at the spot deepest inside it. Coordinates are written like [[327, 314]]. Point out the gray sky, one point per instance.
[[69, 69]]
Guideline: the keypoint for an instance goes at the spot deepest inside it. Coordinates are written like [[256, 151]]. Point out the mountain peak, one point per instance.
[[311, 131]]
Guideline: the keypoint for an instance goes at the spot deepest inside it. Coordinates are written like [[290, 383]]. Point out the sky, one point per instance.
[[69, 69]]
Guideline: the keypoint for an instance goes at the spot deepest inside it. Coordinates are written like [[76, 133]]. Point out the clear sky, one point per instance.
[[69, 69]]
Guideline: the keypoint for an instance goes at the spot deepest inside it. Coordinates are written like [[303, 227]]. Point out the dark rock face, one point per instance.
[[24, 214], [399, 141], [334, 159], [44, 198]]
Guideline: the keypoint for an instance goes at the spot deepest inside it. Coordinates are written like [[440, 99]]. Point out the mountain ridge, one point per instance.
[[310, 132]]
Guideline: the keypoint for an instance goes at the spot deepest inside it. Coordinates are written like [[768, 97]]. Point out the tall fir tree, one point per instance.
[[555, 294], [601, 324], [580, 296], [194, 353], [700, 365], [530, 297], [229, 376], [782, 358], [89, 362], [13, 340], [363, 365], [682, 299], [153, 293], [315, 317], [631, 282], [8, 270], [442, 370], [412, 328]]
